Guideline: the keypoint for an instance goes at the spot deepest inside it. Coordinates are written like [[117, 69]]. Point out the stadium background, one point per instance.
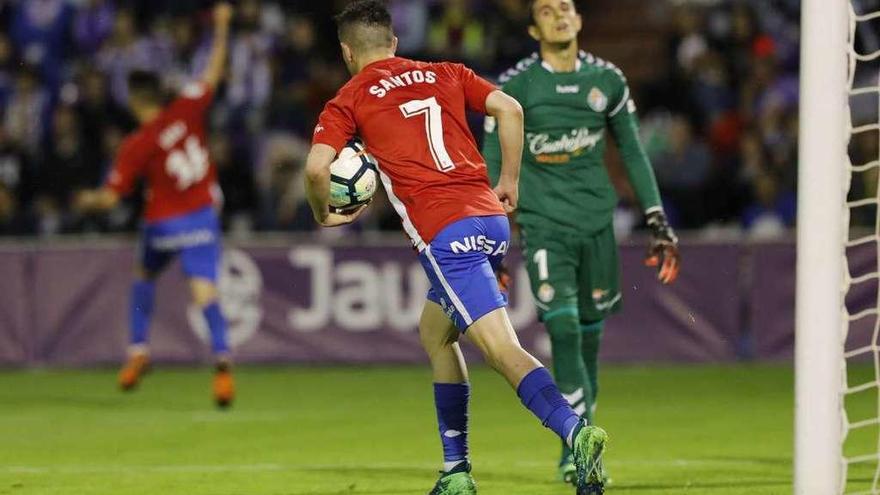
[[717, 89], [716, 86]]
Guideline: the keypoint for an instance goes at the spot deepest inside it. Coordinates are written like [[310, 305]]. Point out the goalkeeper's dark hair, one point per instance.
[[145, 86], [530, 6], [365, 25]]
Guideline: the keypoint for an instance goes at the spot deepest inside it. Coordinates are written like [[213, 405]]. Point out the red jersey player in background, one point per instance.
[[169, 152], [411, 116]]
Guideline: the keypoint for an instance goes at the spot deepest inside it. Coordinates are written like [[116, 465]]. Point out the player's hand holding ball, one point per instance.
[[353, 182], [343, 217], [663, 251]]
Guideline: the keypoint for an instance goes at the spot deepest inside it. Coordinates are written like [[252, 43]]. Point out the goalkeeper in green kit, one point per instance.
[[572, 102]]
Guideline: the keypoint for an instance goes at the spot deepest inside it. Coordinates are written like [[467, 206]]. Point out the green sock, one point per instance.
[[568, 365], [590, 342]]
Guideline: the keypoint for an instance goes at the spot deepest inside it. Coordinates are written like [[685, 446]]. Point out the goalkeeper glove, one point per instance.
[[663, 251]]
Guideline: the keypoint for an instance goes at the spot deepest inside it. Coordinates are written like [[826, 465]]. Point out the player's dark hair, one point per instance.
[[145, 86], [365, 25]]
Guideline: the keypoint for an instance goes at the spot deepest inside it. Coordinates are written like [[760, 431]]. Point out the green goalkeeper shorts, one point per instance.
[[573, 273]]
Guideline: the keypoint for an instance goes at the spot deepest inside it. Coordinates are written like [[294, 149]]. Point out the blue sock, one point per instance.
[[143, 294], [217, 326], [451, 400], [538, 393]]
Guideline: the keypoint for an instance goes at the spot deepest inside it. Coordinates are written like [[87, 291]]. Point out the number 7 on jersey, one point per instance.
[[433, 128]]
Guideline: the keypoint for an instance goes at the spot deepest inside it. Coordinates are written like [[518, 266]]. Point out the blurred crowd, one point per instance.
[[722, 126], [720, 122]]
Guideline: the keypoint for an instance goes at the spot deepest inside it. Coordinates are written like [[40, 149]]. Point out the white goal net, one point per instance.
[[860, 403]]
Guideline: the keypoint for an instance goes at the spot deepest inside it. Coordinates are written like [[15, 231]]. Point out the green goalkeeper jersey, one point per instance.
[[564, 183]]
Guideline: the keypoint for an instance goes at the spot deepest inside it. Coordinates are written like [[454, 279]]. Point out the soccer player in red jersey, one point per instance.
[[411, 116], [169, 152]]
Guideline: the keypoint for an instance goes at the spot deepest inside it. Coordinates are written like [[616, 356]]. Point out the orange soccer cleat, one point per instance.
[[135, 368], [224, 385]]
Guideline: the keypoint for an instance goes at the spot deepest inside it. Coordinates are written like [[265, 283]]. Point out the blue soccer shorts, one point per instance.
[[195, 237], [460, 263]]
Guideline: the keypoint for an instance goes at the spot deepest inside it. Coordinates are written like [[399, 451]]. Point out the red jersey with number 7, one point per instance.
[[411, 117], [170, 153]]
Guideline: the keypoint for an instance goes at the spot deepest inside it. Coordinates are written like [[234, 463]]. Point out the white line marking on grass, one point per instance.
[[99, 469], [24, 470], [226, 417], [158, 417], [683, 463], [273, 467]]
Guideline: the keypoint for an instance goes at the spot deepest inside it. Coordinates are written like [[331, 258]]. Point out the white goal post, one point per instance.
[[822, 183]]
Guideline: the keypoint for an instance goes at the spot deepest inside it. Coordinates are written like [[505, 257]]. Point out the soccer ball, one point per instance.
[[352, 177]]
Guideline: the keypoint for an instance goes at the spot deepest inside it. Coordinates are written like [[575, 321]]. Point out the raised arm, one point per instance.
[[508, 115], [217, 59]]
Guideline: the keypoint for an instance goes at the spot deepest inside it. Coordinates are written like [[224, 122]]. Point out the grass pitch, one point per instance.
[[297, 431]]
